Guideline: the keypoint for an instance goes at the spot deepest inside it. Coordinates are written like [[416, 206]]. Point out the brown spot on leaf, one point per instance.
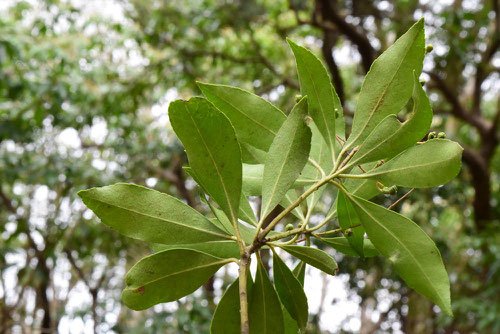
[[140, 290], [149, 271]]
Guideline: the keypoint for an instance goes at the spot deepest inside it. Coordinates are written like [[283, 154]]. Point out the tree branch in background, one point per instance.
[[326, 12], [329, 39]]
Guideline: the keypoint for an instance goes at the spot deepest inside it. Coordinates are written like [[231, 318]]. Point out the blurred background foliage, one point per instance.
[[84, 92]]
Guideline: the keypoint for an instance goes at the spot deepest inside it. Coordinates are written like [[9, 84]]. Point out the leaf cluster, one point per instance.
[[240, 145]]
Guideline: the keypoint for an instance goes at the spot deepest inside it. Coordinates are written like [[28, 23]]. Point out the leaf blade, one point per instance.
[[391, 137], [412, 252], [433, 163], [167, 276], [148, 215], [290, 291], [386, 88], [265, 314], [313, 256], [348, 218], [315, 83], [287, 157], [256, 120], [212, 149]]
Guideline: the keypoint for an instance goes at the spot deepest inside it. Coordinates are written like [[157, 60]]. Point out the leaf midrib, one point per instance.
[[424, 273], [160, 218], [248, 117], [287, 156], [213, 264], [233, 216], [409, 167], [386, 87], [331, 144]]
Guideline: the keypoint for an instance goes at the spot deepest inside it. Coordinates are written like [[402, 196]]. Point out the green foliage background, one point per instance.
[[68, 69]]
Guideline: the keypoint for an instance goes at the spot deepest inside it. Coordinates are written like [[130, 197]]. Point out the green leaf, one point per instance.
[[167, 276], [348, 218], [300, 272], [245, 211], [391, 137], [414, 255], [316, 85], [223, 249], [290, 291], [313, 256], [322, 156], [342, 245], [149, 215], [212, 148], [265, 315], [433, 163], [389, 83], [252, 180], [286, 158], [226, 318], [290, 197], [255, 120]]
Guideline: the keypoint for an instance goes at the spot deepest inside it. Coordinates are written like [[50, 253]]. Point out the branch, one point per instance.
[[328, 44], [457, 109], [329, 14]]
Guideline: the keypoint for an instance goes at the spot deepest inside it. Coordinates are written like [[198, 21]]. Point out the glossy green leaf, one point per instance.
[[265, 315], [342, 245], [431, 164], [312, 256], [212, 148], [316, 85], [391, 137], [389, 83], [287, 157], [255, 119], [348, 218], [149, 215], [226, 319], [224, 249], [167, 276], [290, 291], [414, 255]]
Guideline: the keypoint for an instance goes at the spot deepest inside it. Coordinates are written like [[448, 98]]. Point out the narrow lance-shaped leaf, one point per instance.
[[287, 156], [347, 219], [167, 276], [389, 83], [290, 291], [226, 318], [431, 164], [212, 148], [390, 137], [291, 326], [149, 215], [255, 119], [322, 99], [411, 251], [265, 315], [313, 256], [341, 244]]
